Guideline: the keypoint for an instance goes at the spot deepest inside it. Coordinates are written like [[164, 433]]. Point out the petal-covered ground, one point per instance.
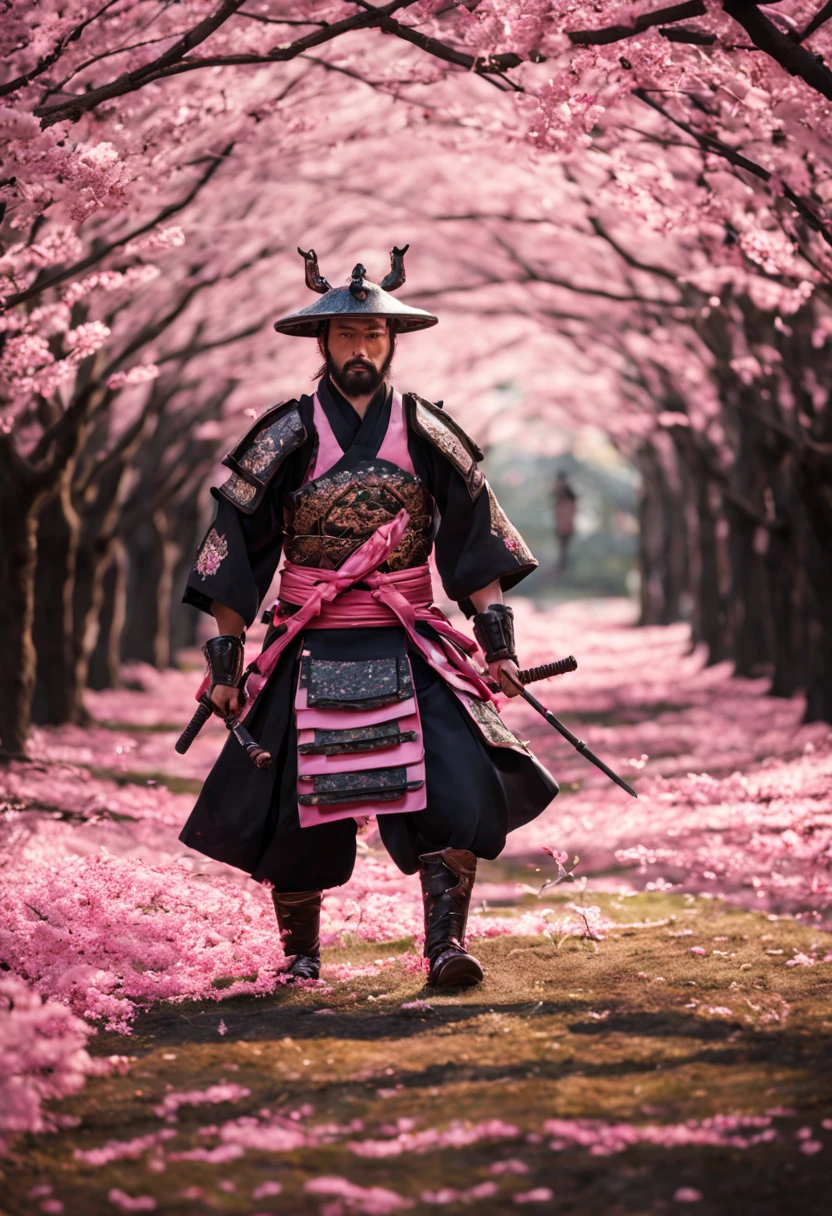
[[634, 1020]]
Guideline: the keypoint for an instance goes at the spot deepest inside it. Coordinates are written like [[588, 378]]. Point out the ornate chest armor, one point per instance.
[[330, 517]]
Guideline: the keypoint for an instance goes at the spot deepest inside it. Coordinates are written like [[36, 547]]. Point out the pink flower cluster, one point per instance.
[[123, 1150], [455, 1135], [42, 1056], [170, 1104], [368, 1200], [603, 1139]]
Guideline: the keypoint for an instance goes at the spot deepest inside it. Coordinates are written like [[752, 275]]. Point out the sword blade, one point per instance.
[[577, 743], [593, 759]]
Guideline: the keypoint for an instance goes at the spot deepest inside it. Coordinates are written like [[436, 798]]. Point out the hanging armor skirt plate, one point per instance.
[[360, 745]]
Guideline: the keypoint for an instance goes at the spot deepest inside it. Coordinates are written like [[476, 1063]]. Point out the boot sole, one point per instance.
[[460, 972]]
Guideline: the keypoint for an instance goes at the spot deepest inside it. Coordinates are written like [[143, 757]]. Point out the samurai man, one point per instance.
[[364, 694]]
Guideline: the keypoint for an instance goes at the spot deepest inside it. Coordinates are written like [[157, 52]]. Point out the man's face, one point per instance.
[[358, 354]]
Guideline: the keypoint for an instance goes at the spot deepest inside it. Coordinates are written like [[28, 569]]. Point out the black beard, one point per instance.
[[358, 380]]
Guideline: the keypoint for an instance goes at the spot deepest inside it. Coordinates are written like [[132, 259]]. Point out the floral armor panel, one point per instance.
[[259, 454], [331, 517]]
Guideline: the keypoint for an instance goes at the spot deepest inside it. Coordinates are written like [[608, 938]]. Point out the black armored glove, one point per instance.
[[224, 655], [494, 631]]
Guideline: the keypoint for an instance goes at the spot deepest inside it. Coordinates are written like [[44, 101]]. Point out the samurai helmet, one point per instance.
[[360, 298]]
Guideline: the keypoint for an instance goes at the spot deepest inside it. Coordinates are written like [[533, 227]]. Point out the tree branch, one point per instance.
[[199, 348], [617, 33], [440, 50], [708, 143], [21, 297], [20, 82], [819, 19], [687, 33], [629, 258], [792, 57], [280, 20], [174, 60]]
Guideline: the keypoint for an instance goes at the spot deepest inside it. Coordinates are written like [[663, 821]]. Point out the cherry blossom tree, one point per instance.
[[637, 153]]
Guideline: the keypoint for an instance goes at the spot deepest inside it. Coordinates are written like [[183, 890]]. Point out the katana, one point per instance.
[[577, 743], [258, 755]]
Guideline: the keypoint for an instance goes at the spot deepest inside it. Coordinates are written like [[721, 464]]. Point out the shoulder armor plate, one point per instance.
[[260, 453], [447, 436]]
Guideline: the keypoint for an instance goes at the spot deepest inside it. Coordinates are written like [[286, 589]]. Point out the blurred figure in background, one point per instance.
[[564, 501]]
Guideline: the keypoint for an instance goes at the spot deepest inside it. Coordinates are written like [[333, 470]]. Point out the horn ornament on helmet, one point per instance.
[[360, 298]]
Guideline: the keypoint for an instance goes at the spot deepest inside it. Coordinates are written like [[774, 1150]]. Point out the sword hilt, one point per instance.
[[201, 716], [256, 754], [530, 675]]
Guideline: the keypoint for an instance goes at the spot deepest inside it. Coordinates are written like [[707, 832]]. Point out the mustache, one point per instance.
[[358, 363]]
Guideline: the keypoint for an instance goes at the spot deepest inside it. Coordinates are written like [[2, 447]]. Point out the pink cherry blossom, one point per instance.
[[372, 1200], [265, 1189], [42, 1056], [170, 1104], [131, 1203], [119, 1150]]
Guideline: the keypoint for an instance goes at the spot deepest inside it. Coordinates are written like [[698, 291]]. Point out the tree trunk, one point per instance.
[[164, 590], [785, 567], [18, 561], [785, 582], [746, 513], [93, 563], [105, 661], [816, 499], [674, 552], [95, 551], [819, 649], [189, 525], [748, 597], [711, 607], [56, 698], [649, 538], [153, 559]]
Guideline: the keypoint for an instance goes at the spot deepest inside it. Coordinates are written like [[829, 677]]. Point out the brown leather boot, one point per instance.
[[299, 921], [447, 879]]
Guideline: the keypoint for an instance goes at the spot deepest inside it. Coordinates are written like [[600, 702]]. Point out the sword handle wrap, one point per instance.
[[201, 716], [530, 675]]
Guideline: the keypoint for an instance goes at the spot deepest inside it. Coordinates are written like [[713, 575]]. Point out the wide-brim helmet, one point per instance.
[[360, 298]]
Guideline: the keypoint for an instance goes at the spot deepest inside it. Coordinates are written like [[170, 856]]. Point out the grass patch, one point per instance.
[[133, 728], [176, 785]]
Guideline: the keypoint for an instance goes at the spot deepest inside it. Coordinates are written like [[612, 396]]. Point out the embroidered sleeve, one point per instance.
[[476, 543], [236, 561], [503, 530], [213, 552]]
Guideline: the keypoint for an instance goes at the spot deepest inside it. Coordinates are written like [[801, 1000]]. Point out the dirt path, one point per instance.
[[352, 1084]]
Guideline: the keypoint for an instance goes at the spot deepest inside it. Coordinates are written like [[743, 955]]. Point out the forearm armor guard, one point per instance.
[[224, 655], [494, 631]]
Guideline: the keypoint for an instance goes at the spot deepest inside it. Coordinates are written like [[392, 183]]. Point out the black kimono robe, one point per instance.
[[476, 792]]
